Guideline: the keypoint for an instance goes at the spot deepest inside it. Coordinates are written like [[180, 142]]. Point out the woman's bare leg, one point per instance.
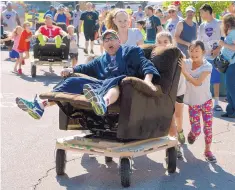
[[179, 116], [173, 128]]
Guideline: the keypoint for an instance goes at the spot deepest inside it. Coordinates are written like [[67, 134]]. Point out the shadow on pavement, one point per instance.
[[47, 79], [218, 115], [102, 176], [199, 174]]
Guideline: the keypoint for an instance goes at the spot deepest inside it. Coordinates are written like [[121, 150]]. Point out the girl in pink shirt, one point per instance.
[[14, 54]]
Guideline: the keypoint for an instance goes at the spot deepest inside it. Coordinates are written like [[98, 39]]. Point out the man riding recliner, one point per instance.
[[50, 38]]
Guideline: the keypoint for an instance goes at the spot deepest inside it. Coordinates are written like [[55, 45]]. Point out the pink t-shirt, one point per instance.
[[16, 40]]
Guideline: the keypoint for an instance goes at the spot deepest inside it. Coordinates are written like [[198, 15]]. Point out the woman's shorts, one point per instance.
[[73, 55], [14, 54], [180, 99]]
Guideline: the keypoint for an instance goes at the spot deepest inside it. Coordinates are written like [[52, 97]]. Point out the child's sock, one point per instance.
[[216, 101], [43, 103]]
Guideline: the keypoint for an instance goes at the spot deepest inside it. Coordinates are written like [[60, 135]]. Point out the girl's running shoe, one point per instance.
[[32, 108], [97, 102], [210, 157], [20, 71]]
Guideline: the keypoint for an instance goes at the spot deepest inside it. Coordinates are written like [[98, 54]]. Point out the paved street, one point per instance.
[[28, 148]]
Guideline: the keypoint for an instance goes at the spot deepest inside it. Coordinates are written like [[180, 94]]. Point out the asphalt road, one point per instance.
[[28, 148]]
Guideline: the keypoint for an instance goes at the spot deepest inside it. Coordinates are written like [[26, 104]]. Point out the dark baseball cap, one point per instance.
[[109, 32]]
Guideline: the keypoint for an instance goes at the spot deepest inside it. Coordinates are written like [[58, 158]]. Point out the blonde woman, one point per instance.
[[119, 20]]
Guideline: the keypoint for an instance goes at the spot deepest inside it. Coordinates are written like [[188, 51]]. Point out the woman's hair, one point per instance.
[[14, 33], [70, 26], [141, 22], [109, 19], [197, 43], [165, 34], [228, 23], [25, 24]]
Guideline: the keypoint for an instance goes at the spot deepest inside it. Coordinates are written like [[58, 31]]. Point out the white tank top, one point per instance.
[[9, 17]]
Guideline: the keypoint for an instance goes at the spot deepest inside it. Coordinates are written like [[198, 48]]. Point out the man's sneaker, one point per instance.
[[210, 157], [32, 108], [181, 137], [217, 108], [191, 138], [97, 102], [85, 51], [92, 52]]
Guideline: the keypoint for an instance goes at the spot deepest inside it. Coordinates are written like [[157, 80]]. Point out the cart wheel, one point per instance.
[[33, 71], [108, 159], [125, 171], [171, 158], [60, 161]]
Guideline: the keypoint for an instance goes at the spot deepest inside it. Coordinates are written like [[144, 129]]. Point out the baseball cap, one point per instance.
[[48, 15], [9, 3], [51, 6], [171, 7], [190, 8], [108, 32]]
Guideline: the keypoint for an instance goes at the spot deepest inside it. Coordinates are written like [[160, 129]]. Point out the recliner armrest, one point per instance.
[[141, 86]]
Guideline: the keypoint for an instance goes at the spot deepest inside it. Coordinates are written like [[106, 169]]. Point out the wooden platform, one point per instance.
[[82, 143]]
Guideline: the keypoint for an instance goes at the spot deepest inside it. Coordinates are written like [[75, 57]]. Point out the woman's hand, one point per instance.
[[151, 85], [27, 40], [221, 43]]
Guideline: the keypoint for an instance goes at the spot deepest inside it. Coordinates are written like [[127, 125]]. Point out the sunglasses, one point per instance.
[[171, 12], [112, 38]]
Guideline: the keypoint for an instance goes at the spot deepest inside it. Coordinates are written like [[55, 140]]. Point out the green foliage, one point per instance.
[[218, 6]]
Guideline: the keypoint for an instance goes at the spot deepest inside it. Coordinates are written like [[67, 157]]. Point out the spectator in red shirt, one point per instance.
[[50, 32]]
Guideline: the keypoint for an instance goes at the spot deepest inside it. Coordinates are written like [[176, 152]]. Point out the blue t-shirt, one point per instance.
[[151, 27], [49, 12], [228, 53], [61, 18]]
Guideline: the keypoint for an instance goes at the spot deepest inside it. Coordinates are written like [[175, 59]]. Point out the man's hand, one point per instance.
[[151, 85], [66, 72]]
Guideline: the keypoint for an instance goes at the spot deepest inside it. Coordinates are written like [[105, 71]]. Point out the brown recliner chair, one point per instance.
[[140, 112]]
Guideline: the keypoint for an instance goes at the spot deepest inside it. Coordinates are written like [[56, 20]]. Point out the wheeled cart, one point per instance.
[[112, 149]]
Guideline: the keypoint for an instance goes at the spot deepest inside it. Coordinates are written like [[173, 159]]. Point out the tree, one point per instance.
[[120, 4], [218, 7]]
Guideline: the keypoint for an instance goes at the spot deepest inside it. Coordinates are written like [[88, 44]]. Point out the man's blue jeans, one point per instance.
[[230, 85]]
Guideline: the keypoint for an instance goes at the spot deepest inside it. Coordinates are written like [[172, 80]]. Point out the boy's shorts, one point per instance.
[[215, 75], [14, 54], [73, 55]]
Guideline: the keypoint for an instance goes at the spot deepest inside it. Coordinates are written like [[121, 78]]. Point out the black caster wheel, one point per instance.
[[171, 157], [60, 161], [108, 159], [33, 71], [125, 172]]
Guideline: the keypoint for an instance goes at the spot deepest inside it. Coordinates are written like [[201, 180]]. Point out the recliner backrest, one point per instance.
[[166, 61]]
